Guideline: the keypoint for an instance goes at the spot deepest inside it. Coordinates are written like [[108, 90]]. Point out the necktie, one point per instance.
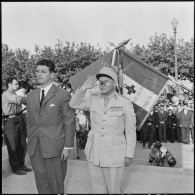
[[42, 97]]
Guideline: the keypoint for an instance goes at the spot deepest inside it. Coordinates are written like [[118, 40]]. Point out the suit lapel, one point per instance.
[[37, 98], [50, 94]]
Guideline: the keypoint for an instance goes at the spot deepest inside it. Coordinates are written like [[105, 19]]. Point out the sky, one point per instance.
[[25, 24]]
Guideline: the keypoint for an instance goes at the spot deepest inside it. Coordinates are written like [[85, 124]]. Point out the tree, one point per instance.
[[68, 58], [160, 52]]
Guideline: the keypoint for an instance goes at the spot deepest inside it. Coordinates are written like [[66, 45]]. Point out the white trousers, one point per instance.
[[106, 180]]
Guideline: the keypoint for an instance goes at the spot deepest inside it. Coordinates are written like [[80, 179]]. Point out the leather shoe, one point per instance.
[[24, 168], [19, 172]]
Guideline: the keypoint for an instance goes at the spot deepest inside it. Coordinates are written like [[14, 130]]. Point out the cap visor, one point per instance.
[[103, 75]]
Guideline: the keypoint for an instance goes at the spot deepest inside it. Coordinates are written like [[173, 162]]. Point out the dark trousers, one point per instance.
[[162, 133], [156, 134], [185, 131], [138, 135], [15, 138], [151, 131], [179, 135], [49, 173], [171, 134], [148, 135]]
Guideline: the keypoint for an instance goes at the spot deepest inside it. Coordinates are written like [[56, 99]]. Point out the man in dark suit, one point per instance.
[[156, 122], [162, 115], [50, 130]]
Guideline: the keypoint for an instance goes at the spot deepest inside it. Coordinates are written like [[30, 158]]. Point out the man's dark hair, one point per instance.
[[48, 63], [23, 84], [10, 80]]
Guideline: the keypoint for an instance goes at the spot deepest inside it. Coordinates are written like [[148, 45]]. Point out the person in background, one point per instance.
[[162, 115], [177, 110], [174, 128], [161, 99], [161, 156], [149, 130], [144, 134], [111, 141], [185, 117], [14, 133], [156, 122], [171, 125], [50, 130]]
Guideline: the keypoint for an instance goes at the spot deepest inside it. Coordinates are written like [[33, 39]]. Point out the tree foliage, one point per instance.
[[70, 58], [160, 53]]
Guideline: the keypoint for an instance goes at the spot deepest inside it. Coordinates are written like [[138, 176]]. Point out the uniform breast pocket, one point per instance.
[[116, 113]]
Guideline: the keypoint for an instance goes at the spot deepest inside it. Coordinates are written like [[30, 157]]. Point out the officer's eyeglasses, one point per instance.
[[103, 83]]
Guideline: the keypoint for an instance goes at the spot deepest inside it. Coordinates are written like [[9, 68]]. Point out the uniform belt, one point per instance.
[[108, 133]]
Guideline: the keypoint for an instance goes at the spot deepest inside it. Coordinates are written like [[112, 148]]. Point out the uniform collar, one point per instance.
[[112, 95]]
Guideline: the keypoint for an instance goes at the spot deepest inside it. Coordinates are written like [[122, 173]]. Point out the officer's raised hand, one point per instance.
[[89, 83]]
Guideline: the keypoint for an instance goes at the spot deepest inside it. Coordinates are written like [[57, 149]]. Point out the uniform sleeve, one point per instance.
[[79, 101], [69, 121], [130, 129]]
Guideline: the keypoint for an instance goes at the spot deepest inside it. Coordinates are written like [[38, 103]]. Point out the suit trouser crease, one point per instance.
[[151, 131], [185, 131], [179, 136], [15, 138], [162, 133], [49, 173], [106, 179]]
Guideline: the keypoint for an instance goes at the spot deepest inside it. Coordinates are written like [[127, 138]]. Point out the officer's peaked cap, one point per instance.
[[107, 72]]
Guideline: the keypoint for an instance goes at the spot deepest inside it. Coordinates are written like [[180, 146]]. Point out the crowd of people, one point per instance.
[[46, 131], [168, 122]]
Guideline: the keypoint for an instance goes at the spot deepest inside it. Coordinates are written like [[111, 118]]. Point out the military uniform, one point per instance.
[[112, 136]]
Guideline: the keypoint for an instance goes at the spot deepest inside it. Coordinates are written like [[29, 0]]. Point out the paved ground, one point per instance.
[[139, 177]]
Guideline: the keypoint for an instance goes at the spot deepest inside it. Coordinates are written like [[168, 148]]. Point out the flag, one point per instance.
[[141, 83]]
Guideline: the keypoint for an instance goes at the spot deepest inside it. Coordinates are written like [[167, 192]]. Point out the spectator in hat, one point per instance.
[[111, 141]]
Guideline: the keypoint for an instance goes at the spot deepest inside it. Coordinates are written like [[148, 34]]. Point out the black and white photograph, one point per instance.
[[97, 97]]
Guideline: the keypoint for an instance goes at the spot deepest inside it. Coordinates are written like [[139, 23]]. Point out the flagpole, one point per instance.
[[181, 85], [120, 65]]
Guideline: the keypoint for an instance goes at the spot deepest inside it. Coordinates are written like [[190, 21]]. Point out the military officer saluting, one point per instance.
[[111, 141]]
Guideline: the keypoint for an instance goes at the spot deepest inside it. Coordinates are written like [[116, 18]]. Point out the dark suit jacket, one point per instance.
[[156, 118], [53, 125], [162, 117]]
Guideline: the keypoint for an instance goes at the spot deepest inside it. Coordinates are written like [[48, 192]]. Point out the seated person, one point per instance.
[[161, 156]]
